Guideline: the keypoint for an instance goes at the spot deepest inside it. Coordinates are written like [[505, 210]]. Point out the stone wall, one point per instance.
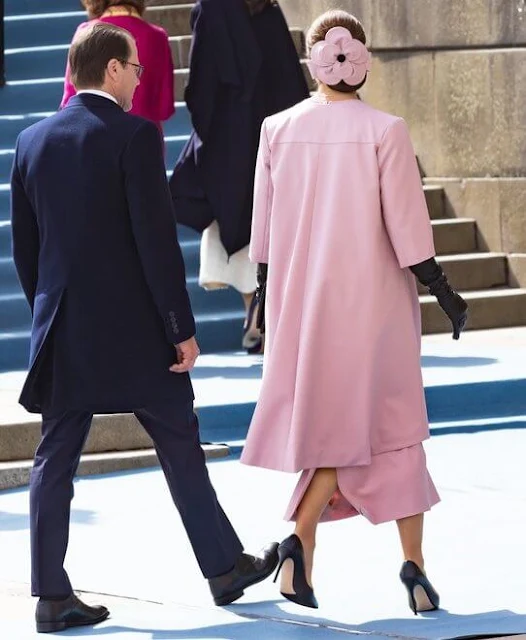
[[456, 71]]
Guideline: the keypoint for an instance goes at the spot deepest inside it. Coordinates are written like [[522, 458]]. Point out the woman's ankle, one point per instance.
[[417, 558], [308, 538]]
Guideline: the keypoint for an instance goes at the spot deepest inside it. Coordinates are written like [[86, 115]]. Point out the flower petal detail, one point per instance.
[[325, 66]]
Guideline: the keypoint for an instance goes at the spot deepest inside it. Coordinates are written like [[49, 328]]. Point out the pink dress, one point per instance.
[[154, 97], [339, 215]]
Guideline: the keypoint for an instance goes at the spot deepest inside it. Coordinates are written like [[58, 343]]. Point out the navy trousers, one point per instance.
[[174, 431]]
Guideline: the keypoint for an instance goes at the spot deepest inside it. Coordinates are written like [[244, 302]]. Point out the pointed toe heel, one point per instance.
[[422, 596], [292, 549]]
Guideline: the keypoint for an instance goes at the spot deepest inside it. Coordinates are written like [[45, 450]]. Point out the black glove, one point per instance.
[[261, 292], [430, 274]]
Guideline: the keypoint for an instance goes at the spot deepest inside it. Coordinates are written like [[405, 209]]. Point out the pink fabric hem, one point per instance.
[[395, 485]]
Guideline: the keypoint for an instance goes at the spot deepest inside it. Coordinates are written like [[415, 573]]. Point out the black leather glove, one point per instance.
[[430, 274], [261, 292]]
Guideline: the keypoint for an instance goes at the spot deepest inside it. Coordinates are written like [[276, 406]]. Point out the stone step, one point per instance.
[[216, 331], [9, 280], [16, 474], [15, 314], [181, 47], [4, 203], [469, 272], [474, 271], [436, 203], [12, 124], [114, 433], [174, 18], [186, 235], [181, 80], [24, 7], [52, 28], [20, 97], [20, 62], [455, 235], [162, 3], [487, 309], [173, 147]]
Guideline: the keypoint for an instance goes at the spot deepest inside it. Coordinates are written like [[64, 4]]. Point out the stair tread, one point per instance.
[[45, 15], [476, 255], [445, 221], [108, 455], [501, 292]]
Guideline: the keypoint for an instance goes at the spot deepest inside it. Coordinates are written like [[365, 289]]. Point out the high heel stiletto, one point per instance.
[[292, 549], [422, 595], [252, 340]]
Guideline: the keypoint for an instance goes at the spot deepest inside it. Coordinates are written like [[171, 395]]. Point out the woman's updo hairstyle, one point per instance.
[[328, 20]]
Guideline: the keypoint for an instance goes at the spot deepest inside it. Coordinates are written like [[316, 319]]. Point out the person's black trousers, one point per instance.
[[174, 431]]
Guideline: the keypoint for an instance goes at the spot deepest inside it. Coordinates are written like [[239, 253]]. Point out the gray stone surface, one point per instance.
[[119, 432], [455, 236], [502, 308], [464, 108], [517, 267], [175, 19], [181, 79], [406, 24], [181, 47], [435, 199], [16, 474], [475, 271], [497, 204]]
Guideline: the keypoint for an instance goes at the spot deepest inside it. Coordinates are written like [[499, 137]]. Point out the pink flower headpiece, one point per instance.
[[339, 57]]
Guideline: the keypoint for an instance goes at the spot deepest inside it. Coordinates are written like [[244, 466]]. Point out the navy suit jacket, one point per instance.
[[96, 250]]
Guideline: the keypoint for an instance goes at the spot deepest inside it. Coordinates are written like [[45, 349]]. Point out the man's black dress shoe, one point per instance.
[[57, 615], [247, 571]]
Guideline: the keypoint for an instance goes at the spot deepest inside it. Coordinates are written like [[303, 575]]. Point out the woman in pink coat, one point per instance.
[[154, 97], [341, 220]]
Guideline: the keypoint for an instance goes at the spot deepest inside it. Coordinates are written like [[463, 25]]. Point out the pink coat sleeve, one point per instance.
[[263, 193], [404, 205]]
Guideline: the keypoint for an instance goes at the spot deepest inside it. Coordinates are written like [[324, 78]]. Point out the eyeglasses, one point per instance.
[[139, 69]]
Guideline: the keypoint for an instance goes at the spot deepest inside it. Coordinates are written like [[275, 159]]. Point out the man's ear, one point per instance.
[[112, 67]]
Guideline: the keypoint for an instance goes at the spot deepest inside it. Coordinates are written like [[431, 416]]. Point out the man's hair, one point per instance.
[[93, 47]]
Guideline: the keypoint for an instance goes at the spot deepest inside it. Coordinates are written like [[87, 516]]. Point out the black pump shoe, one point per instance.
[[292, 549], [422, 595], [58, 615]]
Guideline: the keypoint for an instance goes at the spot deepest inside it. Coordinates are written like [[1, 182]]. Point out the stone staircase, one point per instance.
[[37, 37]]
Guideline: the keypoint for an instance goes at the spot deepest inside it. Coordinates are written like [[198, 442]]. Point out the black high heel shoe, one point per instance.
[[422, 596], [252, 344], [292, 549]]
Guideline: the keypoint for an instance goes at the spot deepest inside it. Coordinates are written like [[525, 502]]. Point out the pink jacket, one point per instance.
[[154, 98]]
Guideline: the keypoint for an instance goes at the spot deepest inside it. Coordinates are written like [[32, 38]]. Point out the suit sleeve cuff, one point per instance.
[[178, 329]]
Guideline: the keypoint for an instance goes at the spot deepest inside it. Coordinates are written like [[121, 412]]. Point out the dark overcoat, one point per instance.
[[242, 69], [95, 246]]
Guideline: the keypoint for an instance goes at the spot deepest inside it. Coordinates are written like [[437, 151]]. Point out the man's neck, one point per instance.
[[103, 92]]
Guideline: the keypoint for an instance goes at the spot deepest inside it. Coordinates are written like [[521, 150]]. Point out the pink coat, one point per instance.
[[154, 97], [339, 215]]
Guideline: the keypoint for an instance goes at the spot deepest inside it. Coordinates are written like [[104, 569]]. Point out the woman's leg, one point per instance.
[[320, 490], [411, 532], [247, 299]]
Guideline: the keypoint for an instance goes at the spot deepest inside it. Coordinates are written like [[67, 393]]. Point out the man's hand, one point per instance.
[[187, 353]]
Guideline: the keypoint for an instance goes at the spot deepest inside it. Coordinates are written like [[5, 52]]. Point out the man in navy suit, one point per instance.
[[96, 249]]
